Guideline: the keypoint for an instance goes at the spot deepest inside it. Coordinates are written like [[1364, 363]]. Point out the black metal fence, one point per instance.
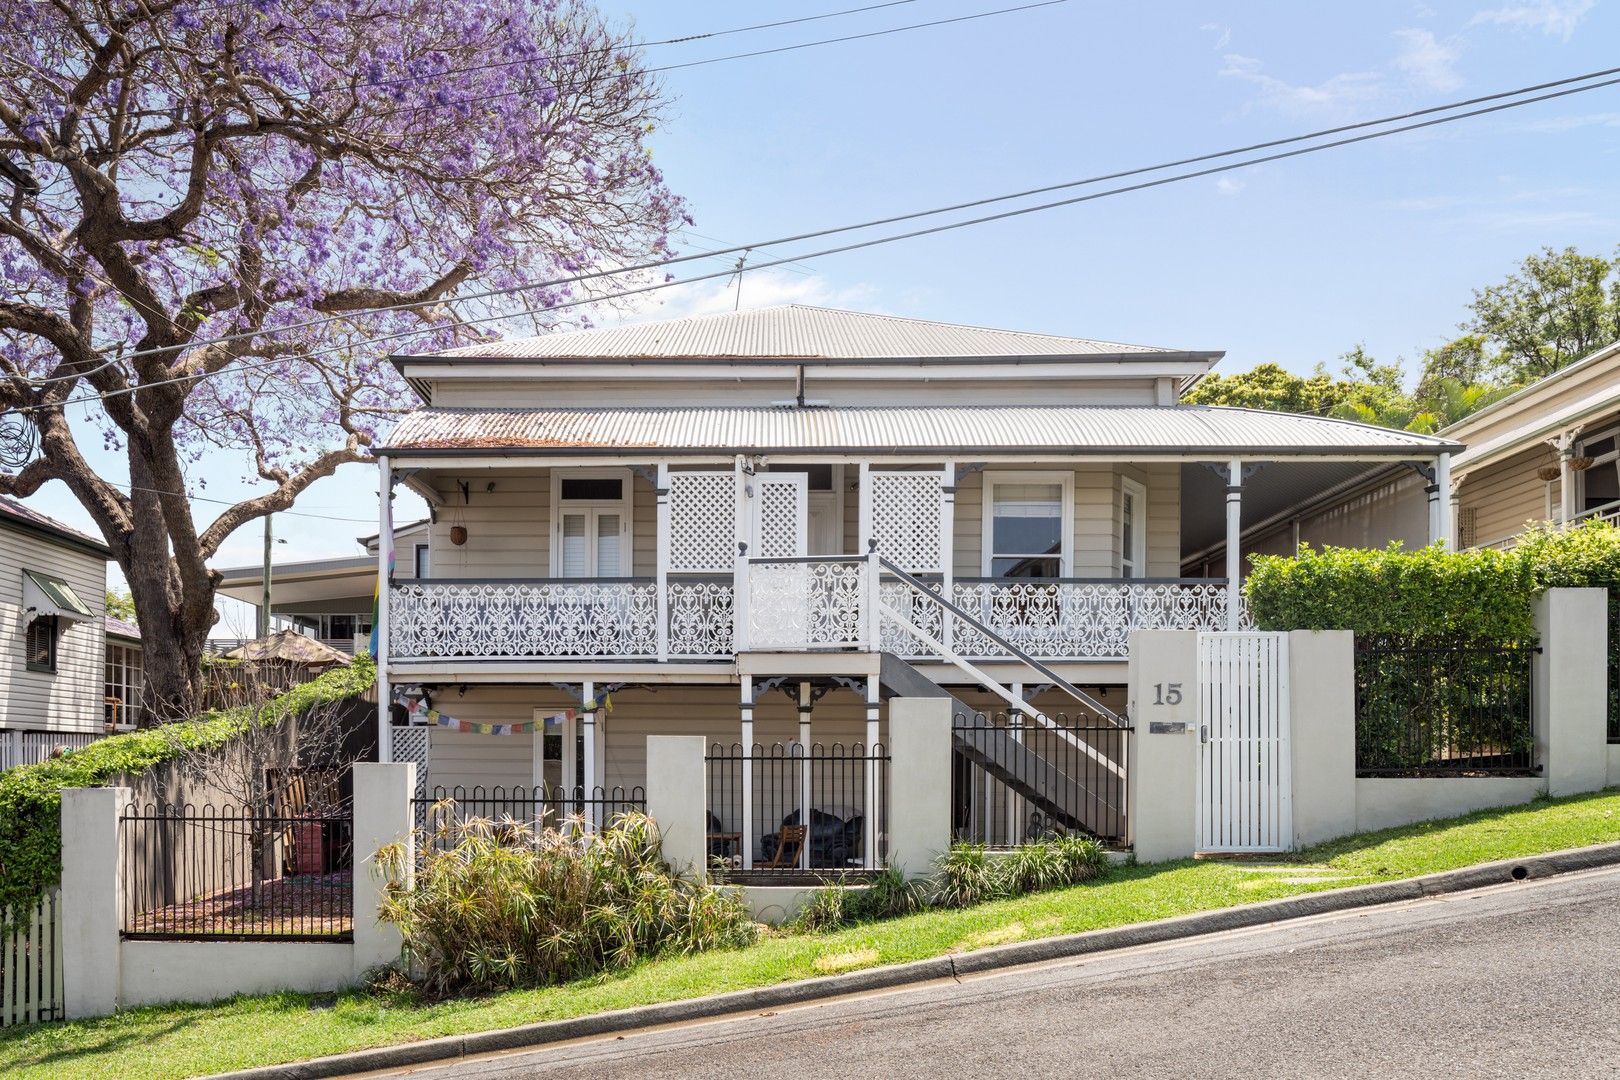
[[440, 815], [1016, 779], [785, 810], [1444, 710], [224, 872]]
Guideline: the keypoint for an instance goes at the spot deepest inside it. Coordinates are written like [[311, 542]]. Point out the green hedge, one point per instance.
[[31, 795]]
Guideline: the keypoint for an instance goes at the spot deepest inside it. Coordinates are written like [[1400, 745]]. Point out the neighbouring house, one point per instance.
[[53, 592], [1547, 453], [757, 527], [327, 599], [126, 677]]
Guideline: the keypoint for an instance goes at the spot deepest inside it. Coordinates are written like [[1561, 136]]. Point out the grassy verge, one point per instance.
[[187, 1040]]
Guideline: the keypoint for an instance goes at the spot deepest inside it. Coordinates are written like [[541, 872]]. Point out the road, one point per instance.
[[1517, 980]]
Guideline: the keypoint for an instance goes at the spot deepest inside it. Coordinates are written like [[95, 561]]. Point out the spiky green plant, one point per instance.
[[968, 874], [886, 895], [964, 876], [507, 905]]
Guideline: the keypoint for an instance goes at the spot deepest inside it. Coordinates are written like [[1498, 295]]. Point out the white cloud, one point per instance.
[[759, 289], [1428, 63], [1558, 124], [1339, 93], [1557, 18], [1223, 35], [1229, 185]]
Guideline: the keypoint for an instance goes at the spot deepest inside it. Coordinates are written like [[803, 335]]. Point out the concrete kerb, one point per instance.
[[945, 967]]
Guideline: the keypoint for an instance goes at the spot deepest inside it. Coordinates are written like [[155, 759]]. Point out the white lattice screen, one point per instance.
[[702, 522], [411, 744], [780, 516], [906, 519]]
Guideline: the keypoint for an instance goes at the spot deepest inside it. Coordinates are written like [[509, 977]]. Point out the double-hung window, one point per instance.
[[592, 534], [1027, 525], [1132, 529]]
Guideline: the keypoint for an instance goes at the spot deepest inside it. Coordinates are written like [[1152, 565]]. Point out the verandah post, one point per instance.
[[870, 816], [746, 708], [1234, 541], [385, 567], [661, 494], [587, 716], [805, 707]]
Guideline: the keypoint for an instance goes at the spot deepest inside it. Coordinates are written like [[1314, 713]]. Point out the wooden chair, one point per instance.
[[791, 836]]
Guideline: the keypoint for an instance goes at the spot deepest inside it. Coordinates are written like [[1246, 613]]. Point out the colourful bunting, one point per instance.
[[416, 708]]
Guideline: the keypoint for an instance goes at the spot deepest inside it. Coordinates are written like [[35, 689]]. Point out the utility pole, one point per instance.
[[264, 604]]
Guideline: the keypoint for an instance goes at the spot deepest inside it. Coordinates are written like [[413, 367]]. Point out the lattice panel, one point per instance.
[[906, 519], [781, 520], [411, 744], [702, 522]]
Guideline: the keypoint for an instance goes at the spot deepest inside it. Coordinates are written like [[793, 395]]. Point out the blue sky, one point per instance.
[[1292, 262]]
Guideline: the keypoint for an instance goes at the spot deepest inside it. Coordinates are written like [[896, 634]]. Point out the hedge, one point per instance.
[[31, 795]]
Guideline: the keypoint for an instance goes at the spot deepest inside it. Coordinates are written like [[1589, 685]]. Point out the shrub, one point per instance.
[[31, 795], [1585, 556], [886, 896], [968, 875], [511, 906]]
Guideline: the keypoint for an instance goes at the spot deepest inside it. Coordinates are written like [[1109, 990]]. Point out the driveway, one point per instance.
[[1514, 980]]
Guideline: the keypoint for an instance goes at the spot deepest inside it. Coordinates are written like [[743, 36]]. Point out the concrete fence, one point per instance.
[[1326, 797]]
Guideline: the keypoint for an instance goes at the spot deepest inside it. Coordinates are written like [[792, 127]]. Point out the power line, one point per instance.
[[735, 249], [876, 242]]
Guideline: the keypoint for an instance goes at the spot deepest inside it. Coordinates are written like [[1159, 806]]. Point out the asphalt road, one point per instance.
[[1517, 980]]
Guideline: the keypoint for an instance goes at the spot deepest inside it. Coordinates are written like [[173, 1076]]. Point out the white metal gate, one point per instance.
[[1244, 768]]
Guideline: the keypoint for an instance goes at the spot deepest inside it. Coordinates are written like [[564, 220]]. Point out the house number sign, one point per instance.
[[1167, 693]]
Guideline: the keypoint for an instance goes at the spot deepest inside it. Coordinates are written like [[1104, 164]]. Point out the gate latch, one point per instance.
[[1203, 733]]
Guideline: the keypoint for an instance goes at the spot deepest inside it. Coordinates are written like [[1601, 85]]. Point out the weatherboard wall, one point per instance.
[[70, 699]]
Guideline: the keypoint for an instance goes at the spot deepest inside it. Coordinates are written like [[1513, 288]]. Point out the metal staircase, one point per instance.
[[1074, 802]]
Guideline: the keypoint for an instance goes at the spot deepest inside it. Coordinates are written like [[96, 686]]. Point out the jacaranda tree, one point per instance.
[[184, 184]]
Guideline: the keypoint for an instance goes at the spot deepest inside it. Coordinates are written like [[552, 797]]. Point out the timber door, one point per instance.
[[1244, 770]]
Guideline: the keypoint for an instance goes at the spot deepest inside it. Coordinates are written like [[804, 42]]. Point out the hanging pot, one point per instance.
[[1549, 473], [1580, 464], [458, 535]]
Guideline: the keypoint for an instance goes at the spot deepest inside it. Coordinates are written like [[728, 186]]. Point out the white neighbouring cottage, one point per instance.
[[838, 505]]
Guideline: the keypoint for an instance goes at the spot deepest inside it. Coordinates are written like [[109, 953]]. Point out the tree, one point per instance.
[[120, 605], [1269, 386], [1560, 306], [192, 175]]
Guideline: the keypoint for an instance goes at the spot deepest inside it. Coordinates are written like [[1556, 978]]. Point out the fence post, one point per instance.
[[382, 816], [919, 783], [677, 799], [1163, 771], [92, 900], [1322, 714], [1571, 701]]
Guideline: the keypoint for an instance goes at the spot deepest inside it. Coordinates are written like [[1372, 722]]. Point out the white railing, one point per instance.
[[813, 604], [33, 747], [31, 962], [524, 620]]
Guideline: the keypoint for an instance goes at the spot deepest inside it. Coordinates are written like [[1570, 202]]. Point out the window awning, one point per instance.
[[47, 595]]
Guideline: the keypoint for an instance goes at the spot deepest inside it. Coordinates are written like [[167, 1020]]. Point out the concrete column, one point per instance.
[[382, 816], [677, 799], [1162, 779], [1234, 544], [92, 900], [1322, 718], [1571, 700], [919, 783]]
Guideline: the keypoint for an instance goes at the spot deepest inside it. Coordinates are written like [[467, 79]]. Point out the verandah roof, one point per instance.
[[954, 430]]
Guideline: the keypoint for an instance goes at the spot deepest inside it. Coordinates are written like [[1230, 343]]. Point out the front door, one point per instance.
[[781, 521]]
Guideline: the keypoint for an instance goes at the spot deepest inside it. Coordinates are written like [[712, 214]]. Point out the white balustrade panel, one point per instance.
[[806, 604], [523, 620], [701, 618]]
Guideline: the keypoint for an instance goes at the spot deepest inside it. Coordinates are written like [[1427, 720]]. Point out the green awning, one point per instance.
[[47, 595]]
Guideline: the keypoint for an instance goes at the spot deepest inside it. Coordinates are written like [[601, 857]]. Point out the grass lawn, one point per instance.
[[187, 1040]]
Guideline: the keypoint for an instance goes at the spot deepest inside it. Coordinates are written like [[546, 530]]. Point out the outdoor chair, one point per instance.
[[789, 842]]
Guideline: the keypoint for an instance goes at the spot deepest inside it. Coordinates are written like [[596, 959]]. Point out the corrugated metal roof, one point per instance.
[[798, 331], [1165, 429]]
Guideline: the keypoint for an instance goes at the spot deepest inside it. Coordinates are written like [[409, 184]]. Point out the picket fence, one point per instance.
[[31, 963]]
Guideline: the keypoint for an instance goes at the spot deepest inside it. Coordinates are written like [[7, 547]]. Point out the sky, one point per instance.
[[1291, 262]]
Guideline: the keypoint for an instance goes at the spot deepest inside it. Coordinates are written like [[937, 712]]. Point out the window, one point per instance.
[[591, 537], [39, 649], [1599, 485], [1132, 529], [419, 566], [125, 682], [1027, 525], [340, 626], [819, 477]]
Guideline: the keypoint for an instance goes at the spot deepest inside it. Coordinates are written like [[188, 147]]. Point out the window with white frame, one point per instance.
[[125, 682], [591, 535], [1600, 483], [1132, 529], [1027, 530], [419, 565]]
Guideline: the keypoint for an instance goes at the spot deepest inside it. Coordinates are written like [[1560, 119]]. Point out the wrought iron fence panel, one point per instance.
[[445, 813], [226, 872], [1014, 779], [1444, 710]]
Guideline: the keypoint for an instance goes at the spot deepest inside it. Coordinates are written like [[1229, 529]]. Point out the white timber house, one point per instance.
[[757, 527]]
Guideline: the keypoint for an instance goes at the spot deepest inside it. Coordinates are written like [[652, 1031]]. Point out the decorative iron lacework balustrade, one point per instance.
[[1082, 620], [815, 603], [538, 619], [701, 617]]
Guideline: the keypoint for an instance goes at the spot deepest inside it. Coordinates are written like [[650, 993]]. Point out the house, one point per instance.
[[1546, 453], [53, 591], [756, 527], [327, 599]]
